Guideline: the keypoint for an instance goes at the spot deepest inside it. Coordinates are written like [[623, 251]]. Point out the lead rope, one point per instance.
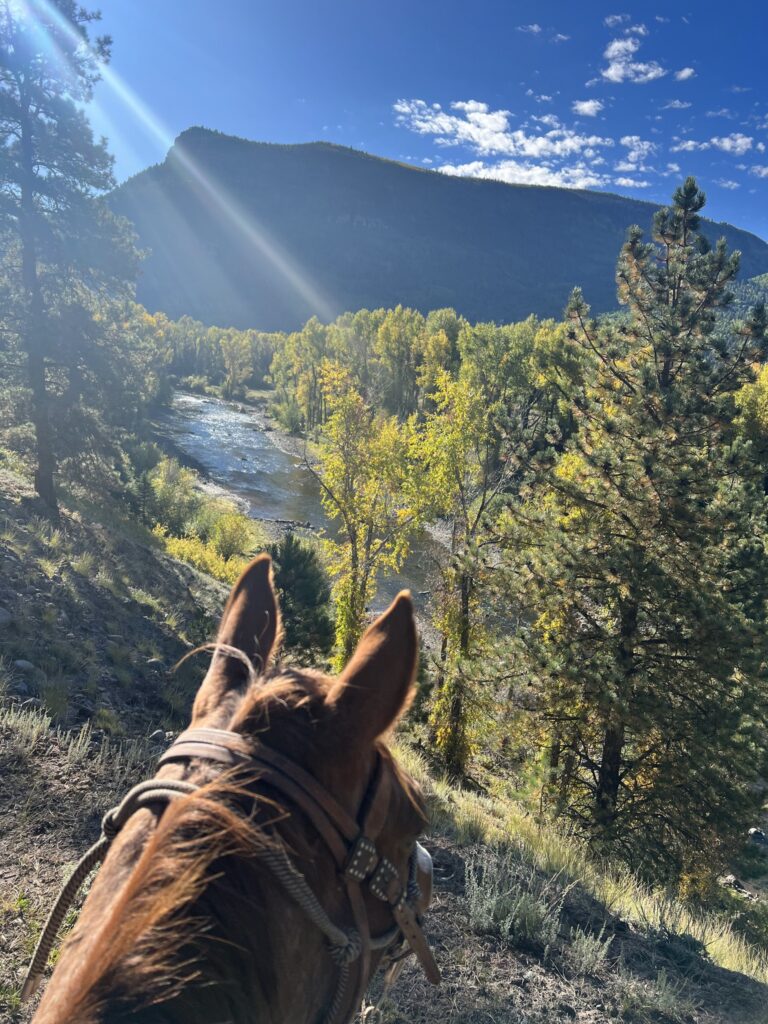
[[344, 946], [143, 795]]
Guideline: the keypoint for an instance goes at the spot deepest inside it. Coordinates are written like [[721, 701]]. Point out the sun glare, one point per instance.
[[258, 238]]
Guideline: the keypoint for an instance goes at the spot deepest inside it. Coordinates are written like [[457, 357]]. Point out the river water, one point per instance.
[[234, 448]]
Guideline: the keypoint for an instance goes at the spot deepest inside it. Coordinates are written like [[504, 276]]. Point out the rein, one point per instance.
[[351, 842]]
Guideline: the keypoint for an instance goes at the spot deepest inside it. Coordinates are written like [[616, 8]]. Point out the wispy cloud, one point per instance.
[[759, 171], [684, 74], [587, 108], [728, 184], [631, 183], [488, 132], [638, 152], [676, 105], [614, 20], [722, 112], [736, 143], [556, 156], [622, 67], [533, 30], [514, 172], [559, 37]]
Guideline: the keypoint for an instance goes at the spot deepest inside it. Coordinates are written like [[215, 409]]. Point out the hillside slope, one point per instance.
[[250, 234], [526, 928]]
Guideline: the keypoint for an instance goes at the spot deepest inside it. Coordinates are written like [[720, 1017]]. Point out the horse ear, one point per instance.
[[250, 624], [376, 686]]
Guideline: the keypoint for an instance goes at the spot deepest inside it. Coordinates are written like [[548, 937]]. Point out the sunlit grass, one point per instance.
[[470, 819]]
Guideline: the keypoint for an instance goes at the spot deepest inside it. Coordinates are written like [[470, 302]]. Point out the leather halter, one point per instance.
[[351, 842]]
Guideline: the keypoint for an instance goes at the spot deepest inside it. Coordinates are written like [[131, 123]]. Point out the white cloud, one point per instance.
[[727, 183], [550, 120], [661, 19], [587, 108], [722, 112], [638, 151], [684, 74], [760, 147], [759, 171], [638, 30], [621, 49], [688, 146], [532, 29], [488, 132], [516, 172], [672, 169], [736, 143], [631, 183], [560, 38], [623, 68], [676, 105], [614, 20]]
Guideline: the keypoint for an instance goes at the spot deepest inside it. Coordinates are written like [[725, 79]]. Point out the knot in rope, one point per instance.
[[350, 951], [109, 825]]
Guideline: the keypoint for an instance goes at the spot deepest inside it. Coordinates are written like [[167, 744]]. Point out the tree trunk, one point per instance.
[[609, 778], [614, 736], [33, 332]]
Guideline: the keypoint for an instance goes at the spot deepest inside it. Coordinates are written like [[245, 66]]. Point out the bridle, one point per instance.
[[350, 841]]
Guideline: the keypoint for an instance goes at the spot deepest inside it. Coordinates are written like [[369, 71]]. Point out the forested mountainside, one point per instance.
[[252, 234]]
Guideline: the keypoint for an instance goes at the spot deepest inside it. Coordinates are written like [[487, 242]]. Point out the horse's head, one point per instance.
[[272, 888]]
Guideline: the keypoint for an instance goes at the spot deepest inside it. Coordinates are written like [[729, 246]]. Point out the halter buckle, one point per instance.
[[385, 883], [363, 858]]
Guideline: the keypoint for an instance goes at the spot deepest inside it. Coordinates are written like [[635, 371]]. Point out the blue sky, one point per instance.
[[627, 99]]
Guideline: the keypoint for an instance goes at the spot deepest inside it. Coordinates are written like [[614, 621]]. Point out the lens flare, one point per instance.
[[254, 233]]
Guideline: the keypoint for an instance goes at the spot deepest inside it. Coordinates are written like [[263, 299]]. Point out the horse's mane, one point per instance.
[[150, 940]]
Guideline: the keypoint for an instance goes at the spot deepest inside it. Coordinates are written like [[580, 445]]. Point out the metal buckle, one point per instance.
[[363, 858], [381, 882]]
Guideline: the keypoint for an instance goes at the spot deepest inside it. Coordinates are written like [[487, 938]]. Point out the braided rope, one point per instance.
[[143, 795], [345, 946]]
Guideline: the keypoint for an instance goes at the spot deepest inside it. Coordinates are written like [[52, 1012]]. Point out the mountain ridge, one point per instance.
[[265, 235]]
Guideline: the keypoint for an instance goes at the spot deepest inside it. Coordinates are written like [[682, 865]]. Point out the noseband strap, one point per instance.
[[351, 842]]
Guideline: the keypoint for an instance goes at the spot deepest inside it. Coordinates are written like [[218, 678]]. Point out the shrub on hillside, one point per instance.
[[202, 556], [176, 500], [232, 534]]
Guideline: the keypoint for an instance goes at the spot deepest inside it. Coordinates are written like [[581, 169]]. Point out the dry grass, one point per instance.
[[470, 818]]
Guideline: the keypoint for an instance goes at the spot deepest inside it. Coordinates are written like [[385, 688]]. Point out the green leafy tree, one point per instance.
[[397, 350], [369, 480], [236, 356], [305, 595], [60, 243], [471, 444], [638, 554]]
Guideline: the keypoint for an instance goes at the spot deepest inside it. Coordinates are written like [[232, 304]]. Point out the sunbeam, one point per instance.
[[252, 231]]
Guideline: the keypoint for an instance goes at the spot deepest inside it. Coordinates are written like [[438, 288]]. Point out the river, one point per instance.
[[236, 450]]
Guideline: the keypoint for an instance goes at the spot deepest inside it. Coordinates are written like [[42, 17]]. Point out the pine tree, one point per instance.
[[59, 242], [639, 554], [305, 594]]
